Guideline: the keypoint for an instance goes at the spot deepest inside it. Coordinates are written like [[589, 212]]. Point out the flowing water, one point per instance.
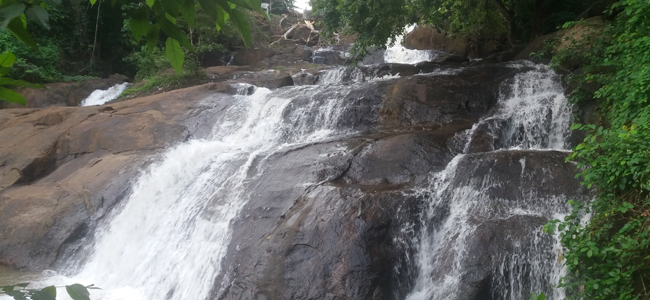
[[101, 97], [168, 239], [532, 113], [398, 54]]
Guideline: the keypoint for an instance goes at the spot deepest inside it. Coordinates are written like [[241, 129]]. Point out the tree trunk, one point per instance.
[[509, 16]]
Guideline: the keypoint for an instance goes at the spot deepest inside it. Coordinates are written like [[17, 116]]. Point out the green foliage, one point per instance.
[[20, 292], [541, 296], [609, 257], [7, 60], [476, 20]]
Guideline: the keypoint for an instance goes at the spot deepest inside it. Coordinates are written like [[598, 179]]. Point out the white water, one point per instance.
[[101, 97], [171, 234], [396, 53], [537, 117]]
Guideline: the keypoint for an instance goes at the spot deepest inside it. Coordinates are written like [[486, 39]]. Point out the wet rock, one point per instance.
[[397, 159], [327, 56], [304, 78], [322, 242], [504, 194], [59, 167]]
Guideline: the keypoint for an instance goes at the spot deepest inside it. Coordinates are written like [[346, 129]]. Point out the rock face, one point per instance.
[[60, 167], [335, 219], [429, 38], [64, 93]]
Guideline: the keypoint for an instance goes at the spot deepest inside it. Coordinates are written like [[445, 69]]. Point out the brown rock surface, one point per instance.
[[63, 93], [60, 166]]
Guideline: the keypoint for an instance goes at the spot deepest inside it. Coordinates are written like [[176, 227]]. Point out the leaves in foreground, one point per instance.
[[21, 292]]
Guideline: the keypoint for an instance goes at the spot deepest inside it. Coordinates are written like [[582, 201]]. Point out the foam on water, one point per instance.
[[101, 97]]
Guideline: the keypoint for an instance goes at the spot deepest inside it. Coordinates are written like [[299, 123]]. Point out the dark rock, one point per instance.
[[429, 38], [329, 57], [375, 57], [119, 77], [506, 181], [250, 56], [304, 78], [242, 89], [450, 59]]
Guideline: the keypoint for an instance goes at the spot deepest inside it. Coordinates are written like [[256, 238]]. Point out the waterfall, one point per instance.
[[398, 54], [532, 113], [172, 237], [169, 238], [101, 97]]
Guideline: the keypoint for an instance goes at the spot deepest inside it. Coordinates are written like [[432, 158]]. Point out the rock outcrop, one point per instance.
[[336, 219], [64, 93], [62, 167]]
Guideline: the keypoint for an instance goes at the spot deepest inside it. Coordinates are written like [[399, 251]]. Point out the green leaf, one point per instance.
[[9, 13], [175, 54], [152, 38], [541, 296], [150, 2], [7, 59], [92, 2], [17, 295], [77, 292], [188, 10], [18, 29], [39, 15], [172, 31], [53, 2], [50, 290], [43, 294], [242, 26], [139, 24], [11, 96], [170, 6]]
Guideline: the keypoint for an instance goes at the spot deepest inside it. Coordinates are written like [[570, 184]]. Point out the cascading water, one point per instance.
[[169, 239], [101, 97], [398, 54], [174, 229], [532, 113]]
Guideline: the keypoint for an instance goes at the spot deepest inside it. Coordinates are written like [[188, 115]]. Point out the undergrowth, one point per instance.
[[607, 240]]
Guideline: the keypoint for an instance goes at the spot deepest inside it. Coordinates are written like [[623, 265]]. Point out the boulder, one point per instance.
[[251, 56], [64, 93], [304, 78], [61, 167], [429, 38]]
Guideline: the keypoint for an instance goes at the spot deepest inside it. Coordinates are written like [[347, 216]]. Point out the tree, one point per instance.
[[150, 19], [378, 21]]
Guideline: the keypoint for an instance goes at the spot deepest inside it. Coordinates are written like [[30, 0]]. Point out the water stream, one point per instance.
[[532, 113], [101, 97]]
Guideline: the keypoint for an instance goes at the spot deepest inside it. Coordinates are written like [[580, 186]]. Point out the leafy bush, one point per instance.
[[609, 256]]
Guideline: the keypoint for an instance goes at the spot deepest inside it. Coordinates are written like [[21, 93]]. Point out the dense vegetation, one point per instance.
[[510, 21], [609, 256], [65, 40]]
